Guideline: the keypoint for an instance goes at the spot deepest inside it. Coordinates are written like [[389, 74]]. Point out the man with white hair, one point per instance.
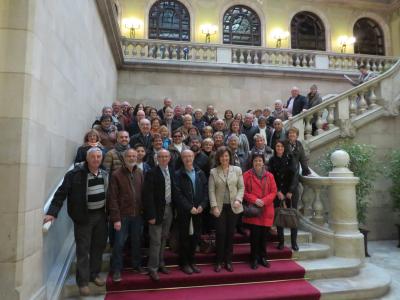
[[296, 102], [144, 136], [134, 127], [189, 110], [85, 188], [167, 103], [279, 112], [158, 199], [191, 199]]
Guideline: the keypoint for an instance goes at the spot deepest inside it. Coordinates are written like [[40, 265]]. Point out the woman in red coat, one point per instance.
[[260, 189]]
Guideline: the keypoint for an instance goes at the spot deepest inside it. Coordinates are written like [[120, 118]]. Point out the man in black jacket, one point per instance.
[[143, 137], [191, 199], [248, 129], [296, 103], [85, 187], [158, 195]]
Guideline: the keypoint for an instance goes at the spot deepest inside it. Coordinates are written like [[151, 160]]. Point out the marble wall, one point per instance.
[[56, 69], [236, 92]]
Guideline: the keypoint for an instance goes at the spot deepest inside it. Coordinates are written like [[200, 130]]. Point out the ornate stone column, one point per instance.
[[348, 241]]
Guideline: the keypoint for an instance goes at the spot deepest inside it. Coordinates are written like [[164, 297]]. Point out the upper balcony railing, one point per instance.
[[136, 50], [339, 115]]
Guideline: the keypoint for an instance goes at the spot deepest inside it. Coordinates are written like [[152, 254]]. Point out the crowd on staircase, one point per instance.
[[142, 171]]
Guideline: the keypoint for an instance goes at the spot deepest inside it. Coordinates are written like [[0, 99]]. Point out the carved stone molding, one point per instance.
[[393, 107], [347, 129], [110, 23]]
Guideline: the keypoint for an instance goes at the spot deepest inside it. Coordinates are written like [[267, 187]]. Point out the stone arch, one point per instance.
[[186, 3], [254, 5], [380, 21], [319, 14]]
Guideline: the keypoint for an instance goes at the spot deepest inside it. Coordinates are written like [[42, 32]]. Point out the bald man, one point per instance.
[[296, 102]]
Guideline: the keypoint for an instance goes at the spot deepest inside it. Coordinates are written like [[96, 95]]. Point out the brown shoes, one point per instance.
[[84, 291], [98, 281]]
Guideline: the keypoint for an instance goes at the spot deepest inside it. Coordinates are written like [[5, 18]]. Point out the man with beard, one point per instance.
[[125, 207], [114, 158], [201, 160]]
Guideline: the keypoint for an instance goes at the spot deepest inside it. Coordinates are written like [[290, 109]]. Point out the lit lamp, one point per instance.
[[132, 25], [208, 30], [344, 41], [279, 35]]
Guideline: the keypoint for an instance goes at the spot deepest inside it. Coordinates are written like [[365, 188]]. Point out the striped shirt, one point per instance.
[[96, 196]]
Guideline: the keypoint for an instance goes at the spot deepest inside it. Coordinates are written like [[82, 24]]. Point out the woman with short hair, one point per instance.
[[226, 191], [260, 190], [90, 139]]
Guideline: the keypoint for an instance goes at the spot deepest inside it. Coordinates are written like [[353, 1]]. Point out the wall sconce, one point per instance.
[[279, 35], [208, 30], [132, 25], [344, 41]]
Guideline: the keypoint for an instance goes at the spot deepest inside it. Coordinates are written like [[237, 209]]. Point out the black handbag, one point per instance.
[[286, 217], [251, 210]]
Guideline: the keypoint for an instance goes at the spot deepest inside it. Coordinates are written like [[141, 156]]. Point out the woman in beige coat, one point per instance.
[[226, 191]]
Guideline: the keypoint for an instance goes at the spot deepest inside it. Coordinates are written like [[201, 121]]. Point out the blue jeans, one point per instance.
[[132, 227]]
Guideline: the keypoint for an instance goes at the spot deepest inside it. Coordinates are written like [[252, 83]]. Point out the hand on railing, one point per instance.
[[47, 222]]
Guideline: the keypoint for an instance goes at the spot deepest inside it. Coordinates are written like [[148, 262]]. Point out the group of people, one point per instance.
[[141, 171]]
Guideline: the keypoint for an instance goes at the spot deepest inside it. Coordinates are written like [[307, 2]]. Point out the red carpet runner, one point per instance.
[[284, 280]]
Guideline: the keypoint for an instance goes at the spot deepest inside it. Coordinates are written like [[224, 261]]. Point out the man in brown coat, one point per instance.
[[125, 207]]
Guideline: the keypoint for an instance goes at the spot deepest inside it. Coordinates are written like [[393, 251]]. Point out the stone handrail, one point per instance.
[[46, 226], [345, 108], [340, 228], [172, 51]]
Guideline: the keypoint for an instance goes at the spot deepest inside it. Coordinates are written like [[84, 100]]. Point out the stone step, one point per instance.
[[335, 269], [331, 267], [306, 251], [70, 289], [372, 282]]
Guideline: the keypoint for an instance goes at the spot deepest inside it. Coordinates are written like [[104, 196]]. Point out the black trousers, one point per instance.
[[90, 239], [225, 229], [258, 241], [188, 242]]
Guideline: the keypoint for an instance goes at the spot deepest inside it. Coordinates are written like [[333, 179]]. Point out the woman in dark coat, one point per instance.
[[282, 166], [91, 139]]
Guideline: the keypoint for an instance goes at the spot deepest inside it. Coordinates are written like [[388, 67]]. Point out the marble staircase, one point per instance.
[[335, 277]]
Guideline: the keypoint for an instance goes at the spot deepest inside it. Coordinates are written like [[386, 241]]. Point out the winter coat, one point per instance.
[[254, 190]]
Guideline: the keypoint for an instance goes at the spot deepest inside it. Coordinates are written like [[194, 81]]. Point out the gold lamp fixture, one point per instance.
[[344, 41], [132, 25], [208, 30], [278, 35]]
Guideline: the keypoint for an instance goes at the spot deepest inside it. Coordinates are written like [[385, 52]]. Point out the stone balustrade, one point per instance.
[[338, 113], [159, 50], [334, 220]]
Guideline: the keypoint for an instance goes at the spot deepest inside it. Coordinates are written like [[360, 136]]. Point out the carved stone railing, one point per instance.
[[342, 114], [157, 50], [329, 208], [136, 50]]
